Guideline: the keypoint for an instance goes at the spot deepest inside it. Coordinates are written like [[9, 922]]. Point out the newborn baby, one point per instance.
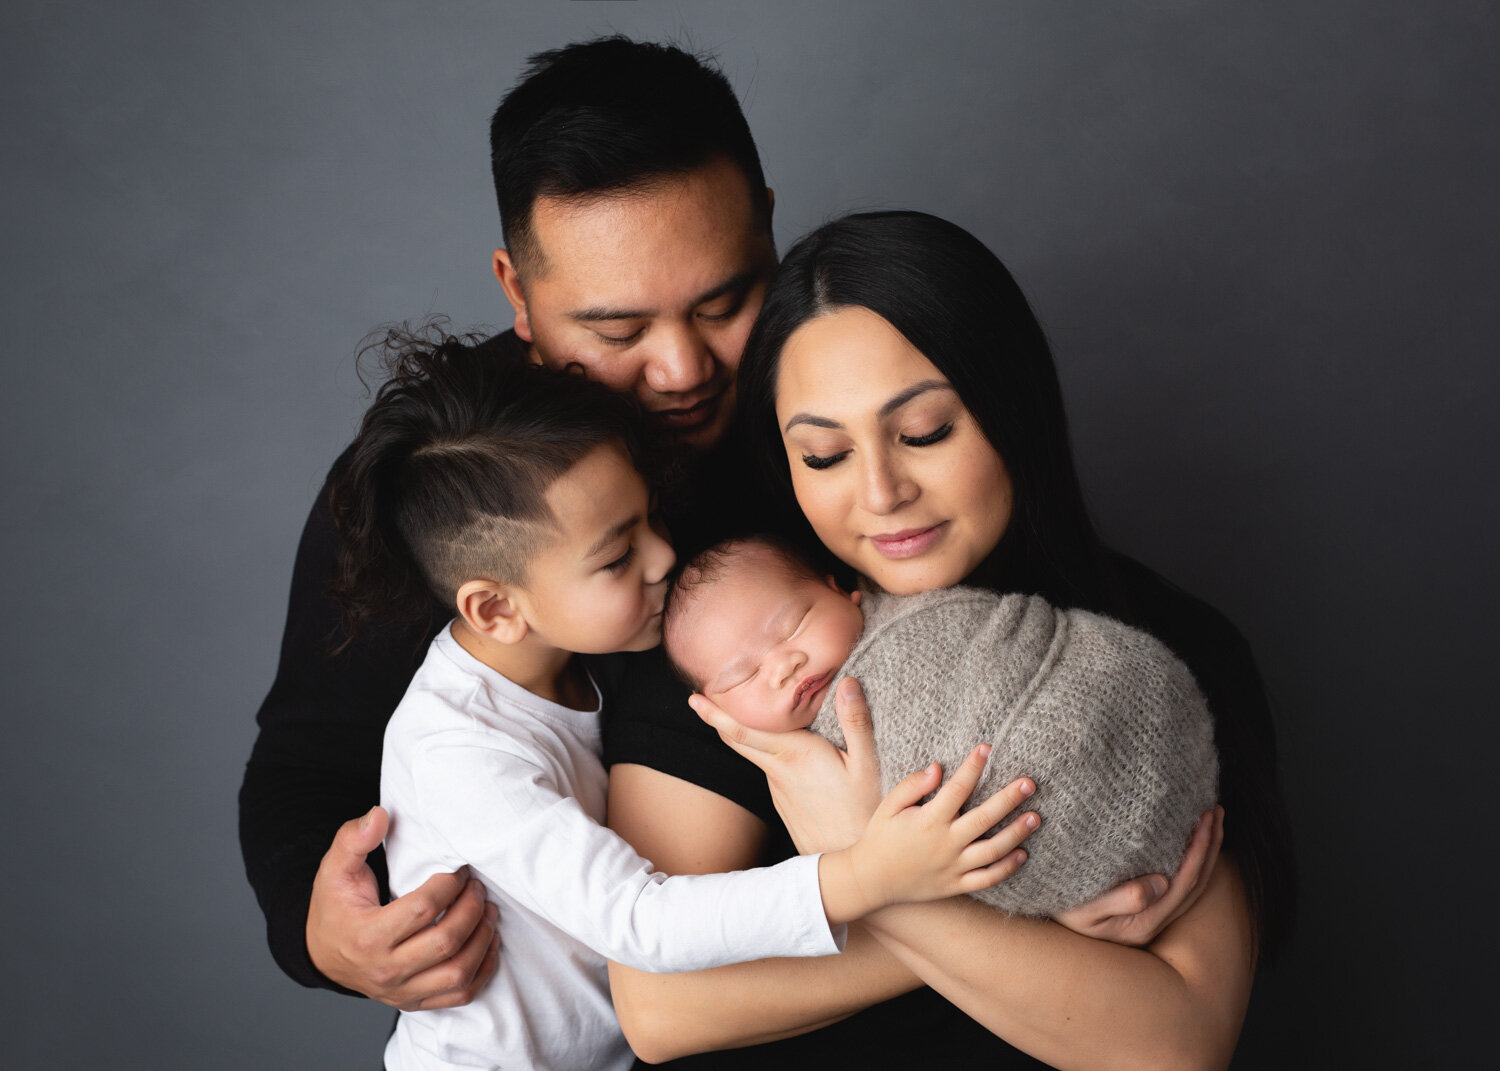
[[1104, 718]]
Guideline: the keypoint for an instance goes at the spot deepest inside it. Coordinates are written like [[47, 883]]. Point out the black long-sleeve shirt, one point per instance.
[[316, 761]]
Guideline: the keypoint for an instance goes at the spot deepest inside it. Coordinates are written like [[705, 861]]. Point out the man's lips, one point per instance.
[[909, 542], [693, 416]]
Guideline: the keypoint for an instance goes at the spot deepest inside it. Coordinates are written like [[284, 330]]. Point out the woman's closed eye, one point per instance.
[[931, 437], [823, 461]]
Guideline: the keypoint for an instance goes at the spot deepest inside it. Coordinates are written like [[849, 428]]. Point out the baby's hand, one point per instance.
[[914, 852]]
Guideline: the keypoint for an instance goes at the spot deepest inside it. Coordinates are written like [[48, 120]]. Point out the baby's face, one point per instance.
[[766, 645]]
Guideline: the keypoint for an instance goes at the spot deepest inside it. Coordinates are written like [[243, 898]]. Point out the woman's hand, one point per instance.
[[824, 796], [1136, 912]]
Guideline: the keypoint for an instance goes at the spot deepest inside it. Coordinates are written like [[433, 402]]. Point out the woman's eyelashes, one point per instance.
[[931, 437], [823, 461]]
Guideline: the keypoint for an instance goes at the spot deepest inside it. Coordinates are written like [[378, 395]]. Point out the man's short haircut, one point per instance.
[[709, 567], [608, 116]]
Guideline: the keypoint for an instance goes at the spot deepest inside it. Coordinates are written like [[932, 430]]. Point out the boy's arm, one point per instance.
[[686, 829], [500, 811], [315, 770]]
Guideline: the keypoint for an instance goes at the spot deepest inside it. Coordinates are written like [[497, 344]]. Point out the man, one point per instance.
[[637, 229]]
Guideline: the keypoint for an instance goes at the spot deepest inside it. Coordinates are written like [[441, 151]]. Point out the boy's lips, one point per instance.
[[908, 542]]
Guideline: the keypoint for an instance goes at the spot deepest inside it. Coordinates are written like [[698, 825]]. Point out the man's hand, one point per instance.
[[435, 947]]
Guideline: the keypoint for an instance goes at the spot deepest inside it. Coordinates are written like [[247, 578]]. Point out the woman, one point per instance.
[[901, 388]]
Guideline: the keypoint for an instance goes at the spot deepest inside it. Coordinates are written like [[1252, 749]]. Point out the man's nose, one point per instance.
[[681, 362]]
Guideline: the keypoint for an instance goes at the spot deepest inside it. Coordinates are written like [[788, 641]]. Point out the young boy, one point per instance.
[[1108, 722], [510, 493]]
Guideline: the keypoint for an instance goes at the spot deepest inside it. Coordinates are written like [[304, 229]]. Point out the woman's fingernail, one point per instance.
[[1027, 788], [1158, 884], [1032, 821], [984, 750]]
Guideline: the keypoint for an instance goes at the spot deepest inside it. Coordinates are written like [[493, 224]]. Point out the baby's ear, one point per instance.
[[834, 584]]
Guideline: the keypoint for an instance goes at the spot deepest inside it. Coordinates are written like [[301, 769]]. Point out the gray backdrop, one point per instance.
[[1259, 235]]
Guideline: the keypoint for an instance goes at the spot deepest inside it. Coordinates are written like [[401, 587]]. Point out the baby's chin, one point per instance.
[[781, 723]]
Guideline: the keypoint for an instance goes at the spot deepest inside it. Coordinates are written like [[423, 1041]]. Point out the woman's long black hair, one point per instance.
[[953, 300]]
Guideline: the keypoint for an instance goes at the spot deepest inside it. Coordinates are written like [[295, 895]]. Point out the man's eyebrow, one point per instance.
[[613, 534], [602, 313], [886, 410]]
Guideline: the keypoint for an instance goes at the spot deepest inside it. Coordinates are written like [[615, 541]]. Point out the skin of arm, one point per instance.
[[1070, 1000], [1075, 1002], [685, 829]]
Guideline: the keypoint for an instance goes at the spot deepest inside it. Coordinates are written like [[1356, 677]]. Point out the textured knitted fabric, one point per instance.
[[1104, 718]]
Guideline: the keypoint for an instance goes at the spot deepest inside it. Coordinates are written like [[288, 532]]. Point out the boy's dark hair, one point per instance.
[[611, 115], [708, 566], [446, 481]]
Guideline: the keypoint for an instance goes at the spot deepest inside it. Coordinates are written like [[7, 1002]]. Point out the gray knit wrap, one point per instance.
[[1107, 722]]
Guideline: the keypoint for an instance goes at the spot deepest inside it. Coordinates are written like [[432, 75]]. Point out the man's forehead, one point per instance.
[[669, 242]]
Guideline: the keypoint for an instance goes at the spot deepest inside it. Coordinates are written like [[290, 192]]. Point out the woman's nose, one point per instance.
[[884, 486]]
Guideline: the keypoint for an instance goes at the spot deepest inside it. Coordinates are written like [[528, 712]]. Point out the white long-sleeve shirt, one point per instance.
[[479, 772]]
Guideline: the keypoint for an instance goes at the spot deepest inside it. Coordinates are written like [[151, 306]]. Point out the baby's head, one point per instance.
[[509, 492], [753, 627]]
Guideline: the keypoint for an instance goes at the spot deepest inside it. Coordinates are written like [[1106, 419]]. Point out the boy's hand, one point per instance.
[[915, 852], [402, 954]]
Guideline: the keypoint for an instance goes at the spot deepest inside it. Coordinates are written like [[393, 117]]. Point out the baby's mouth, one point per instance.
[[807, 688]]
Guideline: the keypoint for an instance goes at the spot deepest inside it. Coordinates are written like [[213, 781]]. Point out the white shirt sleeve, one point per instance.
[[504, 816]]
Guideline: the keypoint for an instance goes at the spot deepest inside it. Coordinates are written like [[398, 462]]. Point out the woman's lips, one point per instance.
[[909, 542]]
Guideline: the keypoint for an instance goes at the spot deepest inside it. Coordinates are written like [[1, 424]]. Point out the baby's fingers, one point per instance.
[[986, 815]]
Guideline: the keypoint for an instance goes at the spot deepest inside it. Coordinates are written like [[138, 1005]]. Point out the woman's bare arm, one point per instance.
[[685, 829], [1075, 1002]]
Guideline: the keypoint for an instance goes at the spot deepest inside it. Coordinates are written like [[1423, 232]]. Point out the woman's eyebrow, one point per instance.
[[886, 410]]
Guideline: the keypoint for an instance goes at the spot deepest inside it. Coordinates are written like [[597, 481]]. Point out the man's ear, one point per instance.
[[492, 609], [510, 282], [771, 200]]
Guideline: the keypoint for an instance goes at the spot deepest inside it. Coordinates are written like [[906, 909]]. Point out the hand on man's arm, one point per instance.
[[316, 764], [435, 947]]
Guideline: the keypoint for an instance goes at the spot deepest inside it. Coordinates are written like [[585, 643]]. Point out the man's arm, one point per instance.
[[315, 767]]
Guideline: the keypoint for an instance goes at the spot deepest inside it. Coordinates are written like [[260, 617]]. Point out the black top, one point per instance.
[[316, 761]]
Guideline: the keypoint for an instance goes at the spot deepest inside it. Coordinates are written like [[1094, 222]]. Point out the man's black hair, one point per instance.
[[611, 115]]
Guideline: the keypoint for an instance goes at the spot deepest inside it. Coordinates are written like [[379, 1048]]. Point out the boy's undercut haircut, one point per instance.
[[608, 116], [447, 479], [709, 566]]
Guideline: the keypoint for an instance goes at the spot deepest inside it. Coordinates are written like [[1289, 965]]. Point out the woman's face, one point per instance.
[[891, 470]]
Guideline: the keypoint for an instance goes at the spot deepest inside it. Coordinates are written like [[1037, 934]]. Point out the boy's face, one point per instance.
[[598, 582], [766, 645]]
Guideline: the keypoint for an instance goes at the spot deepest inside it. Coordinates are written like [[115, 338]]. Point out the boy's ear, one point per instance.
[[510, 282], [491, 609]]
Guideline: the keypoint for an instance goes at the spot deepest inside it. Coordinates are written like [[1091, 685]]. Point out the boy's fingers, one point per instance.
[[988, 813], [950, 798], [911, 790], [995, 873]]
